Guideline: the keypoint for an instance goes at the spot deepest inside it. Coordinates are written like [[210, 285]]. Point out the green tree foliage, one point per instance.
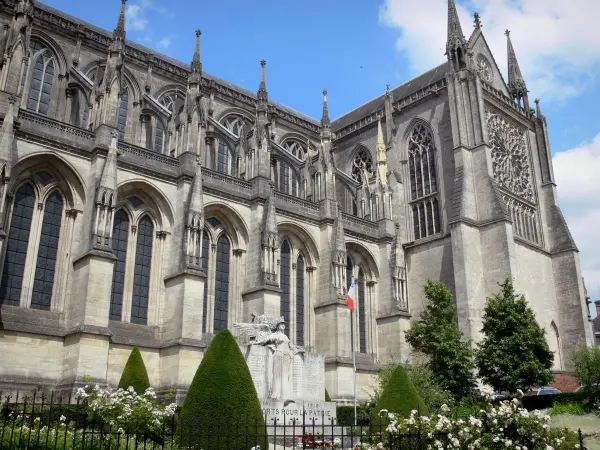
[[222, 400], [514, 353], [436, 335], [135, 373], [399, 396], [586, 363]]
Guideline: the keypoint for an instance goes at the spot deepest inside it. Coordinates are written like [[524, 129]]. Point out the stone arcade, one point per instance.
[[146, 202]]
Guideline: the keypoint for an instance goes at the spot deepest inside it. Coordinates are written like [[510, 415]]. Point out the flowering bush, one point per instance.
[[503, 426], [126, 411]]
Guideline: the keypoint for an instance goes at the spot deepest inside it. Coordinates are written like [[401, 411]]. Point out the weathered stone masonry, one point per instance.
[[146, 202]]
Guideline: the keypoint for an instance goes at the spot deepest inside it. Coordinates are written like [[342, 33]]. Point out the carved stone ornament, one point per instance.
[[509, 156], [483, 67]]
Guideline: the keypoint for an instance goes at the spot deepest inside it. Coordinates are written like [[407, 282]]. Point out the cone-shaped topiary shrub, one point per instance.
[[135, 373], [327, 397], [399, 396], [221, 407]]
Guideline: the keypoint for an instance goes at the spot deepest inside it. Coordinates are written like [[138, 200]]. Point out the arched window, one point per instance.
[[16, 248], [295, 148], [223, 157], [362, 161], [141, 276], [423, 181], [234, 124], [42, 76], [159, 136], [285, 178], [205, 259], [122, 119], [362, 310], [169, 100], [120, 238], [41, 296], [300, 301], [221, 285], [284, 282]]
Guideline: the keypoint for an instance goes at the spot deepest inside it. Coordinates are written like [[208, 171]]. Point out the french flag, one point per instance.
[[350, 296]]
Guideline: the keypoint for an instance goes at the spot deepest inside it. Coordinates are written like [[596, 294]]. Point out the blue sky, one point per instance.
[[355, 47]]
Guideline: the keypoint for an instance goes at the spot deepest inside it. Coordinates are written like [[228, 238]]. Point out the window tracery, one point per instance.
[[122, 119], [423, 182], [295, 148], [484, 69], [234, 124], [509, 156], [362, 161], [169, 100], [42, 77]]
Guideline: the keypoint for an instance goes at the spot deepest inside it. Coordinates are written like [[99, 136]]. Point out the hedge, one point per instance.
[[345, 416], [135, 373], [222, 400], [532, 402]]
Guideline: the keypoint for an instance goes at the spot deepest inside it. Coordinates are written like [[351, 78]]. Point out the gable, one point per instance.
[[482, 51]]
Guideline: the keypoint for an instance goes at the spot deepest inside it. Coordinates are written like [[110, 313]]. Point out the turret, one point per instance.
[[195, 221], [270, 242], [338, 256]]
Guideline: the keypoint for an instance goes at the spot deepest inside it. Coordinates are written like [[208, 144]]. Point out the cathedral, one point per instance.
[[146, 202]]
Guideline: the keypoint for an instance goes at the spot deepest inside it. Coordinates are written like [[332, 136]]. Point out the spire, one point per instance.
[[516, 83], [381, 154], [389, 111], [325, 122], [196, 65], [456, 46], [262, 95], [196, 200], [119, 32], [538, 109]]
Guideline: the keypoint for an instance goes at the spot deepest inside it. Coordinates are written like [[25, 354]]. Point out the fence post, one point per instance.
[[581, 447]]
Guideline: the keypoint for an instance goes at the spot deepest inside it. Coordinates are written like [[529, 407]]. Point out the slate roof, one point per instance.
[[433, 75]]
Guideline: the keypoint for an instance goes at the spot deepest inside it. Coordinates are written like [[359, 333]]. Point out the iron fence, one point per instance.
[[59, 423]]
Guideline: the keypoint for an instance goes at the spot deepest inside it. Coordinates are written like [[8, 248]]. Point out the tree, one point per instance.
[[135, 373], [221, 405], [399, 396], [327, 396], [514, 353], [437, 336], [586, 363]]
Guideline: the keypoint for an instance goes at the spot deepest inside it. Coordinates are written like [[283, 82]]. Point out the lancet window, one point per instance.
[[133, 243], [122, 118], [423, 182], [284, 178], [295, 148], [33, 246], [356, 273], [291, 282], [41, 78]]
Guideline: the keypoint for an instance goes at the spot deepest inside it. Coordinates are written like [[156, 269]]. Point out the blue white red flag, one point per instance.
[[350, 296]]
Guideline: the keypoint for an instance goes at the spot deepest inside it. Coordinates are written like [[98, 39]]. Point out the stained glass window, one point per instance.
[[362, 310], [223, 157], [42, 77], [205, 255], [285, 263], [423, 182], [41, 296], [141, 275], [159, 136], [120, 238], [221, 285], [300, 301], [284, 178], [122, 119], [16, 249]]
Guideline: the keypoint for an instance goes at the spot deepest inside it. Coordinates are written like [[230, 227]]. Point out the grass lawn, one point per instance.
[[589, 424]]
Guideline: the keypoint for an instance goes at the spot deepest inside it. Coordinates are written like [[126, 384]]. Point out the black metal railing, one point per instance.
[[56, 422]]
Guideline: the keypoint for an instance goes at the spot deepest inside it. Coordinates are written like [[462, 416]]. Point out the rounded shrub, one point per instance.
[[135, 373], [399, 396], [221, 407]]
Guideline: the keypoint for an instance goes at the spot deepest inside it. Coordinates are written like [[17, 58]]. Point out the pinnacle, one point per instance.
[[325, 117]]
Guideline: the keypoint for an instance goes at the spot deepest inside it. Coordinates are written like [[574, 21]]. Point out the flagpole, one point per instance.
[[353, 359]]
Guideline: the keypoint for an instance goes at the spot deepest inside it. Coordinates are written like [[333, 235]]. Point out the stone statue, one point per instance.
[[268, 331]]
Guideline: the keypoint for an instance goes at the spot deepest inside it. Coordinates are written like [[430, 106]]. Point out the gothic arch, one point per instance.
[[556, 343], [408, 131], [363, 257], [170, 89], [235, 111], [233, 223], [54, 47], [301, 240], [150, 195], [354, 154], [293, 136], [71, 183]]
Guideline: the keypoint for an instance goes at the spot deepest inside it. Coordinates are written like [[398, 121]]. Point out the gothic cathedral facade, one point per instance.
[[145, 202]]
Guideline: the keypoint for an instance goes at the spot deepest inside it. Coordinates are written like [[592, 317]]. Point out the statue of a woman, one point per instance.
[[269, 332]]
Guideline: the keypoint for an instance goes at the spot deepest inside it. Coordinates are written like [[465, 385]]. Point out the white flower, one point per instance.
[[62, 418]]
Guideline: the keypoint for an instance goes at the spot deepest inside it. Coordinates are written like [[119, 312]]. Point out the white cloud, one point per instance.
[[135, 18], [164, 43], [576, 174], [557, 43]]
